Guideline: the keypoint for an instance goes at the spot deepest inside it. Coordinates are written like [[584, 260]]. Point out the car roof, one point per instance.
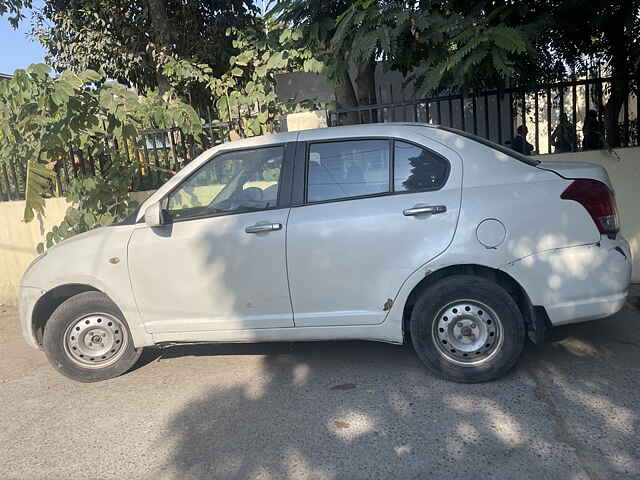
[[362, 130]]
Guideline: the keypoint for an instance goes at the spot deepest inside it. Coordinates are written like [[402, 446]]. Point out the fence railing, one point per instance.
[[156, 154], [497, 114]]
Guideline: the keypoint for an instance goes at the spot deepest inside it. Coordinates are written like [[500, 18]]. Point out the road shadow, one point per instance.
[[368, 410]]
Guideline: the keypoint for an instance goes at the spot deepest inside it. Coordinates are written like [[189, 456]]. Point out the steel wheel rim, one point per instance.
[[96, 340], [467, 332]]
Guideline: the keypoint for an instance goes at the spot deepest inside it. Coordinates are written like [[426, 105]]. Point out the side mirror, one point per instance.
[[153, 215]]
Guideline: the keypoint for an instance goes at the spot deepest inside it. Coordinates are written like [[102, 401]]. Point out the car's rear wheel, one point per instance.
[[87, 339], [467, 329]]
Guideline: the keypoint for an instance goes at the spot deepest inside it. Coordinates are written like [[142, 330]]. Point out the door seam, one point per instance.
[[286, 265]]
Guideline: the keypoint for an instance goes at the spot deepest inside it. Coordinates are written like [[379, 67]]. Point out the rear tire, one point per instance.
[[88, 340], [467, 329]]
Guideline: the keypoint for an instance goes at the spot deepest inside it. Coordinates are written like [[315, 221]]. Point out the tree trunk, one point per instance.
[[346, 98], [619, 92], [620, 68], [160, 34], [365, 86]]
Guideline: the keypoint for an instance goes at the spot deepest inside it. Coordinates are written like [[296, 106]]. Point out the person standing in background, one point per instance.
[[519, 142], [563, 137]]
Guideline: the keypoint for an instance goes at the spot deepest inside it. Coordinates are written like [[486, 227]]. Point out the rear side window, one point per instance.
[[346, 169], [417, 169]]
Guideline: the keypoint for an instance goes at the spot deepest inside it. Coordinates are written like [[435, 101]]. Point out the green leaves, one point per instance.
[[39, 70], [36, 185], [43, 118], [97, 201], [476, 50], [507, 39], [14, 8], [246, 91], [446, 45], [90, 76]]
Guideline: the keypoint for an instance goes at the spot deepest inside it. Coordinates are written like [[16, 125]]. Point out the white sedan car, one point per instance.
[[390, 232]]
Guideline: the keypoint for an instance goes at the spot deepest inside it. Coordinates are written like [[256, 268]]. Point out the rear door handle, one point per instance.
[[424, 210], [263, 227]]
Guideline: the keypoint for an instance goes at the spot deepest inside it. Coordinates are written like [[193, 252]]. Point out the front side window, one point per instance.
[[347, 169], [417, 169], [237, 181]]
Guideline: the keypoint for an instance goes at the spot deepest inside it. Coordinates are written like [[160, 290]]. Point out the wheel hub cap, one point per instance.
[[95, 341], [467, 332]]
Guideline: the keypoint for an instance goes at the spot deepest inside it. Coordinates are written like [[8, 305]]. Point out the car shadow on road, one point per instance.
[[368, 410]]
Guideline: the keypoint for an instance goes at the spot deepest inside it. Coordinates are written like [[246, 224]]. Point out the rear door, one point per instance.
[[373, 211]]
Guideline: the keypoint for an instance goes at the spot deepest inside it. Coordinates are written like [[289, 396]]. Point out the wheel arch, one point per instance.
[[52, 299], [536, 320]]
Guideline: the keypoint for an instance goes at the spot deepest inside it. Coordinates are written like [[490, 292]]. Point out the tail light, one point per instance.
[[598, 200]]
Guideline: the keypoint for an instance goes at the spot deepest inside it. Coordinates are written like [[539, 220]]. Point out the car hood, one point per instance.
[[77, 238], [79, 258]]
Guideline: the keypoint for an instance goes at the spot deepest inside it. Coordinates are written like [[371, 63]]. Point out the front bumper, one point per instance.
[[577, 284], [29, 296]]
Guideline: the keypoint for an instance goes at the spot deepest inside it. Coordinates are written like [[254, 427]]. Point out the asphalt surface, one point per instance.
[[328, 410]]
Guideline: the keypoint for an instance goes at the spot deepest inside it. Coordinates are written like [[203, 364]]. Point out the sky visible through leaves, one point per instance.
[[17, 50]]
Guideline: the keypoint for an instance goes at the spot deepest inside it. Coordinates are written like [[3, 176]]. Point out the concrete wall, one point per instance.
[[306, 120], [18, 240]]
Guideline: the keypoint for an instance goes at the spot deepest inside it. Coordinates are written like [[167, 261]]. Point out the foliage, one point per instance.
[[36, 115], [43, 118], [600, 37], [245, 94], [442, 44], [451, 45], [249, 86], [130, 40], [96, 201], [317, 21], [14, 8]]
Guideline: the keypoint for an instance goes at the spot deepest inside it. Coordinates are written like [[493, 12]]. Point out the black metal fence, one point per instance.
[[497, 114], [493, 114], [156, 155]]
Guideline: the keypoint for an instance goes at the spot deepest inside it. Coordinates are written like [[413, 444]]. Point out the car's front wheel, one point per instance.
[[467, 329], [87, 339]]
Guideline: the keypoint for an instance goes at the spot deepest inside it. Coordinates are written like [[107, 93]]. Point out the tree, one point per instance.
[[14, 8], [317, 20], [605, 30], [131, 40], [442, 45], [452, 44], [246, 93], [43, 118]]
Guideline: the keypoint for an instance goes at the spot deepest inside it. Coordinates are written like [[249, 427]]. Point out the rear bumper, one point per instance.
[[576, 284]]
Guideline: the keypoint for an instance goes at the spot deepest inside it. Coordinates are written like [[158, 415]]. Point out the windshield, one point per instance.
[[488, 143]]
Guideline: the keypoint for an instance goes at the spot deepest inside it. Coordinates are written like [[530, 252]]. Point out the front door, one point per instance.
[[375, 210], [220, 262]]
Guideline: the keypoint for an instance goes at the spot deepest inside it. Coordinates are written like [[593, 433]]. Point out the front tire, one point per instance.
[[467, 329], [88, 340]]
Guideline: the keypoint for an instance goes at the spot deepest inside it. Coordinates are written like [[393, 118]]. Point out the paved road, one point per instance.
[[327, 410]]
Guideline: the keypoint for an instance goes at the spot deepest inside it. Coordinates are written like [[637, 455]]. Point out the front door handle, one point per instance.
[[263, 227], [424, 210]]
